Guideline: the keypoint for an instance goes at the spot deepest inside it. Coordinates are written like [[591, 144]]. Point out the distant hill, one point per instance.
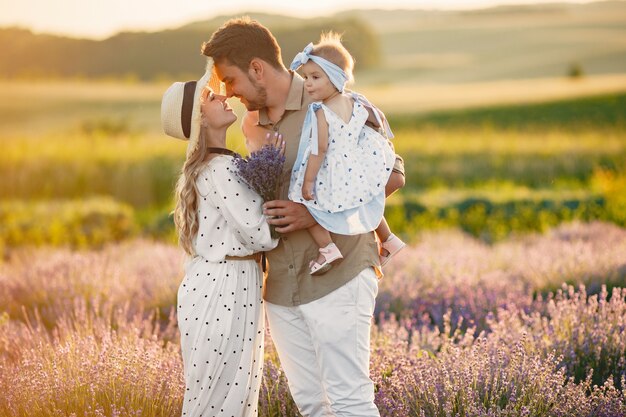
[[165, 54], [498, 43], [390, 46]]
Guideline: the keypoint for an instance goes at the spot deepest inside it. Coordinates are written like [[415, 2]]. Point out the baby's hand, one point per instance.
[[307, 190]]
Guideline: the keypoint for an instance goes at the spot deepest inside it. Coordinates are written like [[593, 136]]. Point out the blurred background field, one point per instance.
[[510, 119], [509, 302], [491, 170]]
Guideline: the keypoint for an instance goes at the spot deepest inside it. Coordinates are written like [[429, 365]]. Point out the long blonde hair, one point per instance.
[[187, 195]]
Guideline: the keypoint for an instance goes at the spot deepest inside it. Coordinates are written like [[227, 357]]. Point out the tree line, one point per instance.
[[160, 55]]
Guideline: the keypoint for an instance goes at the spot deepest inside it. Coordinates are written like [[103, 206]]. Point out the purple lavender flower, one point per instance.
[[263, 172]]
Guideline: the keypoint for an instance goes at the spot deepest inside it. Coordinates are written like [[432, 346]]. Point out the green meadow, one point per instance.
[[85, 163]]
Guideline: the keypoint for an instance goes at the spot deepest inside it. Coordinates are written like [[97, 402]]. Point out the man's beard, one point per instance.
[[260, 100]]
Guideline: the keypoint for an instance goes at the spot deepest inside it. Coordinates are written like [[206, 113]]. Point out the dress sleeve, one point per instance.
[[237, 203]]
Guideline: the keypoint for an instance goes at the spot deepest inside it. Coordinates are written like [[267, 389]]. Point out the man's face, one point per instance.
[[242, 85]]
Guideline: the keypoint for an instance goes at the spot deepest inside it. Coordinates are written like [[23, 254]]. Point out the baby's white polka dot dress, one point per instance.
[[350, 185]]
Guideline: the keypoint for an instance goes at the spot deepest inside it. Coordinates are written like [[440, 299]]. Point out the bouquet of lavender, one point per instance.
[[263, 172]]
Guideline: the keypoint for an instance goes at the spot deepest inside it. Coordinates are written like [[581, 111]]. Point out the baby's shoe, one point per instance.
[[331, 255], [392, 246]]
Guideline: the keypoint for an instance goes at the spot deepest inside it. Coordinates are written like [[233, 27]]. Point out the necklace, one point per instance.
[[223, 151]]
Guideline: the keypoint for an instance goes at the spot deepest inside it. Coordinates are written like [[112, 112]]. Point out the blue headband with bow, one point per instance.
[[336, 75]]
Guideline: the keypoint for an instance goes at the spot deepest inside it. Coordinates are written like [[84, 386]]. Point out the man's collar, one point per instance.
[[294, 98]]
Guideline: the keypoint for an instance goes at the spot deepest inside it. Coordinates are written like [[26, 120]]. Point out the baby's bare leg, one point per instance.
[[322, 238], [383, 231], [320, 235]]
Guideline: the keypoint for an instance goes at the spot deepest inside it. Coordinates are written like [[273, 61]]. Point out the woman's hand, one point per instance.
[[276, 140]]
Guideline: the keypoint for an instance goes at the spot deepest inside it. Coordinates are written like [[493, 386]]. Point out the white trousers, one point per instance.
[[324, 349]]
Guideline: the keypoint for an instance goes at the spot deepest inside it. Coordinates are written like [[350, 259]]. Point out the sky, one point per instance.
[[99, 19]]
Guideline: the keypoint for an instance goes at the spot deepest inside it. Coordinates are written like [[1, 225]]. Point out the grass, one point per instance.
[[492, 171], [471, 158], [83, 223], [604, 113]]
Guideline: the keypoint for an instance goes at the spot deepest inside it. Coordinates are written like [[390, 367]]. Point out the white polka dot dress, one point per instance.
[[220, 306], [350, 185]]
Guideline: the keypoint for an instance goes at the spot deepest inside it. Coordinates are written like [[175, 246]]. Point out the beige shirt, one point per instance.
[[289, 282]]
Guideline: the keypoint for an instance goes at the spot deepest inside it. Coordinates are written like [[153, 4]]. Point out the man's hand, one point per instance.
[[287, 216]]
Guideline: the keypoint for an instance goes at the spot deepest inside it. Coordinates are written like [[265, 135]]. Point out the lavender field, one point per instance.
[[530, 326]]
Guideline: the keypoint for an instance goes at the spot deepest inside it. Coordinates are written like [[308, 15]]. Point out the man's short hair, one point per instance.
[[240, 40]]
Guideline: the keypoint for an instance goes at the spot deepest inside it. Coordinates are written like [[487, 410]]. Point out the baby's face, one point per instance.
[[316, 82]]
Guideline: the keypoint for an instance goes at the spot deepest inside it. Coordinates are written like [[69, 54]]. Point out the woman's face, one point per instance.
[[216, 113]]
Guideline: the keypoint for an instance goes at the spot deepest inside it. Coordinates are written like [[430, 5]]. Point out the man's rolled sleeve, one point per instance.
[[398, 166]]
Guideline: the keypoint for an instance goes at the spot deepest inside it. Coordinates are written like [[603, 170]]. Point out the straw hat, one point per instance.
[[180, 107]]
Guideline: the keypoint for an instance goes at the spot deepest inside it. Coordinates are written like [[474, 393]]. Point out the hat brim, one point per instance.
[[196, 113]]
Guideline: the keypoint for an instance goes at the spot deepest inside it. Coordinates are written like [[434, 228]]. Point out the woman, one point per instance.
[[221, 227]]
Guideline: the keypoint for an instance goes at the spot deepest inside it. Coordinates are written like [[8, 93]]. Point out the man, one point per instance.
[[320, 325]]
